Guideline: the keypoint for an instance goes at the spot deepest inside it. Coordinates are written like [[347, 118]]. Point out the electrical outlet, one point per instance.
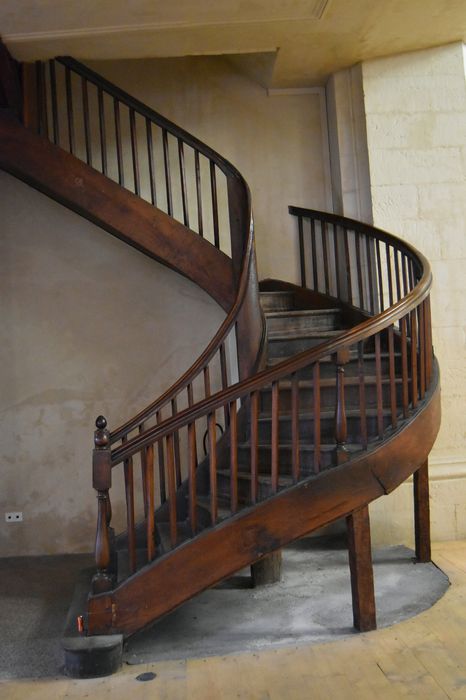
[[16, 517]]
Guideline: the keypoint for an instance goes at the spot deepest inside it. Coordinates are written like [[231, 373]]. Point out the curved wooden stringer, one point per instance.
[[326, 393]]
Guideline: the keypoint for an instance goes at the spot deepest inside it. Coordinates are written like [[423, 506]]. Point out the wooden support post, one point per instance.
[[422, 513], [102, 481], [267, 570], [362, 577]]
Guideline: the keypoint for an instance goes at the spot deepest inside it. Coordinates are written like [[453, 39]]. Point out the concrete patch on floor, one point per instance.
[[311, 604]]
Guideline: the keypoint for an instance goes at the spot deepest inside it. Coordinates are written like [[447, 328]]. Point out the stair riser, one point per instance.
[[292, 346], [285, 460], [327, 398], [327, 429], [328, 369], [297, 324], [244, 489], [271, 301]]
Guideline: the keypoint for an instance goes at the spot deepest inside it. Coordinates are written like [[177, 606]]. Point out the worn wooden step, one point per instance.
[[183, 533], [292, 323], [327, 426], [282, 345], [204, 508], [328, 367], [275, 301], [328, 393], [264, 485], [306, 451]]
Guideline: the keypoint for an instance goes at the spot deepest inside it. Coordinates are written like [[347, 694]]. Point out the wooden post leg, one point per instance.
[[362, 577], [422, 513], [267, 570]]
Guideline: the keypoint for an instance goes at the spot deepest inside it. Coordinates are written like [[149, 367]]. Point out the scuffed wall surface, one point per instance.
[[89, 326]]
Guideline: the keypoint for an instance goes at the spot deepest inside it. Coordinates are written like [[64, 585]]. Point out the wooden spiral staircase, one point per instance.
[[311, 400]]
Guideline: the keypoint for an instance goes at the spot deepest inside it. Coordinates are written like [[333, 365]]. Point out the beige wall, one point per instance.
[[91, 326], [416, 131], [275, 141]]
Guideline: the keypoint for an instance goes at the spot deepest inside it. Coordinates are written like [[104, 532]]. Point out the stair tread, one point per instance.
[[331, 381], [307, 446], [297, 334], [262, 478], [350, 413], [204, 502], [284, 313], [183, 533]]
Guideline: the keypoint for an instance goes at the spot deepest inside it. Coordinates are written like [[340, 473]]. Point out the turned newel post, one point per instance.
[[102, 481], [341, 428]]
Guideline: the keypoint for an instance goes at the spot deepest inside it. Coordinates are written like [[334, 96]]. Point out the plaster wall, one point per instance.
[[92, 326], [89, 326], [415, 107]]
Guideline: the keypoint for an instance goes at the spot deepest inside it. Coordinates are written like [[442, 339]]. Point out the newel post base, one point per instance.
[[422, 513]]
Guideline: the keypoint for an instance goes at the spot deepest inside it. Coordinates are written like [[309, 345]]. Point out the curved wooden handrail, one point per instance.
[[264, 378]]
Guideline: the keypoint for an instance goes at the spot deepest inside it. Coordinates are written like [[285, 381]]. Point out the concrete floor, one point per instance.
[[312, 604]]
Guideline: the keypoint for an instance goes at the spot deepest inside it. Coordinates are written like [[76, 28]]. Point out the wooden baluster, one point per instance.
[[314, 256], [119, 149], [200, 226], [53, 93], [362, 577], [43, 88], [389, 273], [370, 282], [168, 182], [422, 352], [184, 192], [336, 254], [397, 274], [404, 368], [40, 98], [275, 436], [192, 468], [414, 395], [254, 446], [316, 401], [213, 467], [341, 428], [362, 395], [349, 286], [103, 140], [429, 351], [163, 493], [422, 513], [151, 162], [213, 189], [379, 275], [362, 304], [150, 524], [295, 468], [134, 152], [102, 482], [142, 455], [29, 97], [391, 370], [323, 232], [130, 521], [176, 442], [87, 128], [69, 109], [171, 490], [378, 385], [233, 457], [302, 263], [404, 275], [224, 374]]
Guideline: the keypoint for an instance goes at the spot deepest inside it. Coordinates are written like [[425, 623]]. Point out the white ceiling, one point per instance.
[[311, 38]]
